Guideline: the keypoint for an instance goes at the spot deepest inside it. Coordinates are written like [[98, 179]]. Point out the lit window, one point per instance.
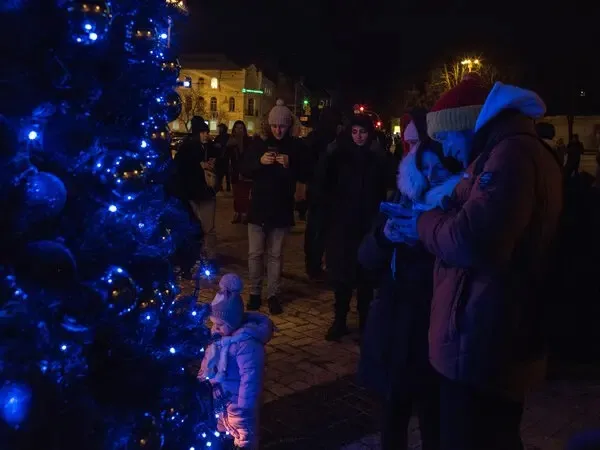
[[250, 126], [582, 93], [214, 83]]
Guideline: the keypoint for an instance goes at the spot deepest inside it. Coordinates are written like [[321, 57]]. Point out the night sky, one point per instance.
[[370, 50]]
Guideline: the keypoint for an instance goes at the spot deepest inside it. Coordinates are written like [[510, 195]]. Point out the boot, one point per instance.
[[275, 307], [253, 303], [337, 330], [237, 218]]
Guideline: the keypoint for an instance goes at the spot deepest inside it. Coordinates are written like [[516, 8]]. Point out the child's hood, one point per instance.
[[257, 326]]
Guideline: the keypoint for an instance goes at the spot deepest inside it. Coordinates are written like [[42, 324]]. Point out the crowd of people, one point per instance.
[[449, 251]]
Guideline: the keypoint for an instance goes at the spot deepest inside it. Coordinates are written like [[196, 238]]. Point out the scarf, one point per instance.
[[216, 356]]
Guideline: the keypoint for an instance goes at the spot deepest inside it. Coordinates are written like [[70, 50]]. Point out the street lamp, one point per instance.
[[470, 63]]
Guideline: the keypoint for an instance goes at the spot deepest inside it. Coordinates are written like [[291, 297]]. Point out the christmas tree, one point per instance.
[[96, 343]]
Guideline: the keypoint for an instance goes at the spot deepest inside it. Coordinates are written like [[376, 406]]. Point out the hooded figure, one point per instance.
[[394, 360], [351, 180]]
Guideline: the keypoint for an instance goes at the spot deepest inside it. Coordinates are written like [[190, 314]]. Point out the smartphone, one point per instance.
[[394, 210]]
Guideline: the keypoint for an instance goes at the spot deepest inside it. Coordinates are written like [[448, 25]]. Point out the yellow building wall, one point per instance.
[[229, 84]]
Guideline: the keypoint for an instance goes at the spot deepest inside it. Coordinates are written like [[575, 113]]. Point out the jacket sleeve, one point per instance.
[[249, 162], [251, 361], [486, 229], [375, 250]]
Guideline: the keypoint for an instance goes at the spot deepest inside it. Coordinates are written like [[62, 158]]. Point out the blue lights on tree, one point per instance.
[[98, 346]]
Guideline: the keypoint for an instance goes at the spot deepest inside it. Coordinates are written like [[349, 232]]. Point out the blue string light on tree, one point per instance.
[[119, 290]]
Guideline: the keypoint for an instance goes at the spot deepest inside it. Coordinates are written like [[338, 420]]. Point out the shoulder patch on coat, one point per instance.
[[485, 180]]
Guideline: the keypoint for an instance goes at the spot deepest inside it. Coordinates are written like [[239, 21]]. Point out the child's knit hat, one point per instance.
[[231, 282], [228, 304]]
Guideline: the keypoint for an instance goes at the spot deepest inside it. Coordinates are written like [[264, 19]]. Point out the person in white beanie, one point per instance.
[[275, 165], [234, 362]]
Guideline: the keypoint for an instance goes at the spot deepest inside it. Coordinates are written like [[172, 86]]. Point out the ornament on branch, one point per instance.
[[44, 197], [179, 5], [141, 38], [89, 20], [171, 67], [118, 290]]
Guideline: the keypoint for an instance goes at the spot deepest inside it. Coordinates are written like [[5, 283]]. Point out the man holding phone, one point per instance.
[[274, 165]]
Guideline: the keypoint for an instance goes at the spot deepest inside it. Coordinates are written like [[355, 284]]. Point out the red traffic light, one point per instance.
[[361, 109]]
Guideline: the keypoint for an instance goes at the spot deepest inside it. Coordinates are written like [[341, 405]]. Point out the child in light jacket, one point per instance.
[[234, 362]]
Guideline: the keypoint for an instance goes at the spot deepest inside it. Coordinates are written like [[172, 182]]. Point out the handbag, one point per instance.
[[211, 178]]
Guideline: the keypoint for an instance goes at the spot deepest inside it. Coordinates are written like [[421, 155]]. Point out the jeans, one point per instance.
[[476, 420], [205, 212], [261, 241]]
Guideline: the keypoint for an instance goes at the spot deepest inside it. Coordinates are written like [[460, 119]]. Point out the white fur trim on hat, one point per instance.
[[453, 119]]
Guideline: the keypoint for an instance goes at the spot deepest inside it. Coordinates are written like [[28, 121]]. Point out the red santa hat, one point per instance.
[[458, 108]]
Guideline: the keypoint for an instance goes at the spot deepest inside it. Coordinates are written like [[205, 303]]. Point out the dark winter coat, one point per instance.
[[220, 143], [394, 354], [350, 182], [234, 155], [492, 249], [274, 186], [189, 174]]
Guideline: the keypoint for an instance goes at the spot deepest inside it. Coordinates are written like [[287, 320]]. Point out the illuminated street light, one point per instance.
[[470, 63]]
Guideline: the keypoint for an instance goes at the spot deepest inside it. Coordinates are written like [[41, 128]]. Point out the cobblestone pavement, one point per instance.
[[311, 401]]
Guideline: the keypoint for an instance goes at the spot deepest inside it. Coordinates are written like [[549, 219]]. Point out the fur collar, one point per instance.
[[413, 184], [434, 197]]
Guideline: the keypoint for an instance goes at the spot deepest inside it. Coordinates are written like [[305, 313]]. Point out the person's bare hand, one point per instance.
[[284, 160], [208, 165], [267, 159]]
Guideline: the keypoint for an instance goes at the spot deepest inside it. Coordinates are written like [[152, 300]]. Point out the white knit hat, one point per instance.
[[281, 114]]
